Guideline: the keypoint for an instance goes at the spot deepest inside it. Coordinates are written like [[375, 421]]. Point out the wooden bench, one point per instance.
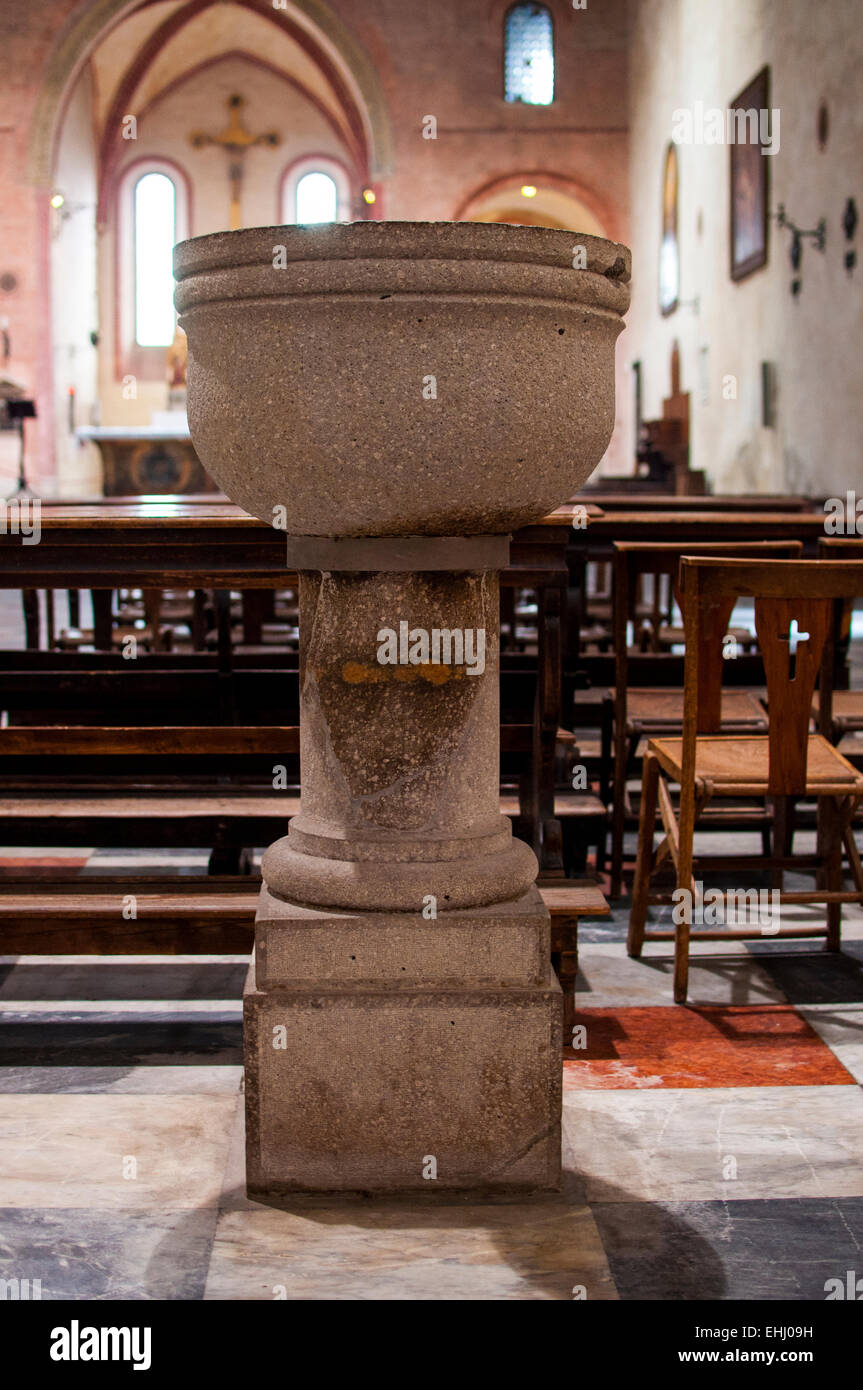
[[166, 544], [173, 916], [191, 785], [566, 905], [155, 787]]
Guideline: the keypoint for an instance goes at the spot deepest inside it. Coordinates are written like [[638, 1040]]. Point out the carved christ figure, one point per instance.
[[235, 140]]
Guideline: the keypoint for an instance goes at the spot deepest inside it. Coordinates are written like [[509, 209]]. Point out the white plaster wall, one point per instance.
[[683, 51], [74, 300]]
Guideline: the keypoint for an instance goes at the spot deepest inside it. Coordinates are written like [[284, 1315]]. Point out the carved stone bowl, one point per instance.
[[401, 378]]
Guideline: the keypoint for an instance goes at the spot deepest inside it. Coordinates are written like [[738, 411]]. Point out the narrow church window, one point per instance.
[[317, 198], [318, 188], [529, 55], [155, 235]]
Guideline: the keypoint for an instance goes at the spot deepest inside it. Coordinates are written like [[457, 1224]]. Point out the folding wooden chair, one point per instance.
[[847, 705], [638, 713], [798, 608]]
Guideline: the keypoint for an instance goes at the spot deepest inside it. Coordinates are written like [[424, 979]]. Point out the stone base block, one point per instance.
[[377, 1081], [507, 944]]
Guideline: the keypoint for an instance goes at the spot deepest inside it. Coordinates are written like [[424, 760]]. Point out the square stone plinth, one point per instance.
[[405, 1066], [507, 944]]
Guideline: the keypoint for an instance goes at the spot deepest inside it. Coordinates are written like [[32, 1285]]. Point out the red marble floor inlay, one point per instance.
[[738, 1045], [50, 865]]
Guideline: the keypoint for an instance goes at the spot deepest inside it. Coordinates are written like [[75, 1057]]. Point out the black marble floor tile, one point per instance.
[[78, 1253], [807, 974], [106, 1040], [756, 1250], [200, 1079], [103, 978], [601, 929]]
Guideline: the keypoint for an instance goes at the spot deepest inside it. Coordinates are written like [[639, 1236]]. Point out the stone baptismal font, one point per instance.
[[399, 397]]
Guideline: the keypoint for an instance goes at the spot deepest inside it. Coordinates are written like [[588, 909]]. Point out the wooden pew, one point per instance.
[[131, 916], [677, 525], [713, 502], [215, 545], [155, 787]]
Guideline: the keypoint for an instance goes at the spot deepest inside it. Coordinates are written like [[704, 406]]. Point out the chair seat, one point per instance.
[[847, 708], [567, 806], [676, 636], [662, 706], [735, 762]]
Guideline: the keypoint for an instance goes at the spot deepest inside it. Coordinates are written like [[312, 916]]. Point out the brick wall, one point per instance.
[[443, 60]]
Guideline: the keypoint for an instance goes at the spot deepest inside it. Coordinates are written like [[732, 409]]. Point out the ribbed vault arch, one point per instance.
[[91, 22]]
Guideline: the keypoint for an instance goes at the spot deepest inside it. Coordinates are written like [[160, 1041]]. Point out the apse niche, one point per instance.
[[177, 125]]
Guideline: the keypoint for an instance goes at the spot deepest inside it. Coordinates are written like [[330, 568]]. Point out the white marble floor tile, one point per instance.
[[609, 978], [113, 1151], [841, 1027], [706, 1145], [519, 1250]]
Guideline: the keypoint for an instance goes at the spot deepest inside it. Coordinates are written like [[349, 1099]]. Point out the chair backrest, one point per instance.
[[841, 548], [797, 606], [632, 559]]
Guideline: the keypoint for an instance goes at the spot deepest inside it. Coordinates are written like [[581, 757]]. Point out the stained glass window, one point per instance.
[[529, 55]]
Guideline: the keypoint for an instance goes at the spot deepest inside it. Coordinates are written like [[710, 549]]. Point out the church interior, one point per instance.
[[431, 651]]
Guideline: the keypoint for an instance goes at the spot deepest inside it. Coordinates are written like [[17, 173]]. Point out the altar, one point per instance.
[[156, 458]]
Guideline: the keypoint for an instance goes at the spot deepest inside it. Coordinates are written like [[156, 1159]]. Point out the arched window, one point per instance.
[[317, 198], [155, 212], [316, 189], [529, 55]]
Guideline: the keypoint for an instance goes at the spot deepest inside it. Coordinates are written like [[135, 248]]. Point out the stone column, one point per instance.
[[402, 1020]]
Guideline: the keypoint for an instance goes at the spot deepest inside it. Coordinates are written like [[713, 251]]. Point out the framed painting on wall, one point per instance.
[[750, 179], [669, 252]]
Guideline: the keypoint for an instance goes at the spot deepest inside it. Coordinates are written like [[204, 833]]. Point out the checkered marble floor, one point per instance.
[[711, 1151]]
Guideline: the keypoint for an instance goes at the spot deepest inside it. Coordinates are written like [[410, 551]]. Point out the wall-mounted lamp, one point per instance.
[[364, 202], [63, 209], [849, 227], [817, 234]]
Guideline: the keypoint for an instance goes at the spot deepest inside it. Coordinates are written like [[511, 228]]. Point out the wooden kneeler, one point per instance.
[[786, 763]]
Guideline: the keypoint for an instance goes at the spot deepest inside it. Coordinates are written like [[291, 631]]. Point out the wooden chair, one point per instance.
[[788, 762], [847, 705], [638, 713]]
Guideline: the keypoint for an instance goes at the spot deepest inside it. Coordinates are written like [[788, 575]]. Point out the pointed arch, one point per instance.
[[311, 23]]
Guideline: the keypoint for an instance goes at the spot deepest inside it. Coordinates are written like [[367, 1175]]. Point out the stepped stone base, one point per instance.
[[388, 1053]]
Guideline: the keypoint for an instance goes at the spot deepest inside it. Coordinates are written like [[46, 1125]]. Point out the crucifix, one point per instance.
[[235, 140]]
